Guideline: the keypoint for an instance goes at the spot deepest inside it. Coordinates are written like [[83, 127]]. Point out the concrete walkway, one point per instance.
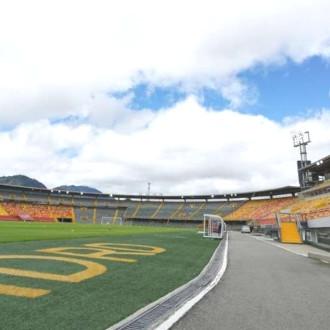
[[300, 249], [264, 287]]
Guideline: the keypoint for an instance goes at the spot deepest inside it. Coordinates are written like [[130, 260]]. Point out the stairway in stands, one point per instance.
[[290, 233]]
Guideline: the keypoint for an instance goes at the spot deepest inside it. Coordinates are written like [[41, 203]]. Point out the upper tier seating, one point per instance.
[[319, 189]]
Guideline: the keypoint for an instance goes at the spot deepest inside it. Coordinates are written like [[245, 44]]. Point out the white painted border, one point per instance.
[[175, 291], [167, 324]]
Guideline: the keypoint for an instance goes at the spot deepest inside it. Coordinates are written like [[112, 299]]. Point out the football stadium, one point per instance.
[[98, 261], [165, 165]]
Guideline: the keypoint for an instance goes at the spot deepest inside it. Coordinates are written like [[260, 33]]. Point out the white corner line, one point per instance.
[[167, 324]]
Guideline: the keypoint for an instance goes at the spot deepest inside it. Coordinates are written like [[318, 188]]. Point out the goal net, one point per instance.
[[111, 221], [214, 226]]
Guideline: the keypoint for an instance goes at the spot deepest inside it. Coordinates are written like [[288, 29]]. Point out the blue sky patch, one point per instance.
[[211, 98], [290, 90], [69, 152], [146, 96], [282, 91], [68, 120]]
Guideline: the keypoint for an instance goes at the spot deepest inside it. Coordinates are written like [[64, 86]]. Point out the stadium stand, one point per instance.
[[322, 188], [135, 210], [312, 208], [224, 208], [147, 209], [90, 208], [217, 208], [185, 210], [167, 210], [2, 210], [104, 212], [84, 214], [178, 211], [38, 212], [261, 210], [188, 211], [155, 214], [196, 211]]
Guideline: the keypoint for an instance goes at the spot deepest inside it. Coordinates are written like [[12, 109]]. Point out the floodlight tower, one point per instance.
[[149, 188], [301, 140]]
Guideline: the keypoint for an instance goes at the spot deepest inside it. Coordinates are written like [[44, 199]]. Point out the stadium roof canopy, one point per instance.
[[320, 167], [288, 190]]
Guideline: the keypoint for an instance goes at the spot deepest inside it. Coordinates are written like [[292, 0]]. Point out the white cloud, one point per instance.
[[61, 58], [183, 149], [54, 55]]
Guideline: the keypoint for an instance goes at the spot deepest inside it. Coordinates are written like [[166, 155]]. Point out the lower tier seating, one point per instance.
[[39, 212], [312, 208], [260, 210]]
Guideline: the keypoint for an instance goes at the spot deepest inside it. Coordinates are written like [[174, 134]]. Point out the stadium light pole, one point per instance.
[[301, 140], [149, 188]]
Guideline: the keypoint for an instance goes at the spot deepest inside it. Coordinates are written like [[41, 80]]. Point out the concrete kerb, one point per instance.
[[320, 257], [166, 322], [179, 313], [304, 250]]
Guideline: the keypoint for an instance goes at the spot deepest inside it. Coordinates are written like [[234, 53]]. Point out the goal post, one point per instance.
[[214, 226], [112, 220]]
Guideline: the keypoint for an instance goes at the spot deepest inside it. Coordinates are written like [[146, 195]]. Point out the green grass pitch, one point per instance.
[[100, 301]]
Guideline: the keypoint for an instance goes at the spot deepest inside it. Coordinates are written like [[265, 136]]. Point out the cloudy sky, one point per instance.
[[192, 96]]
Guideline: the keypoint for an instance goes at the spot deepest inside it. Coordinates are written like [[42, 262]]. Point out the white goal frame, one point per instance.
[[214, 226], [111, 220]]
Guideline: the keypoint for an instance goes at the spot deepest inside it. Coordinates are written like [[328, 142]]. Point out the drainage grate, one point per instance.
[[155, 315]]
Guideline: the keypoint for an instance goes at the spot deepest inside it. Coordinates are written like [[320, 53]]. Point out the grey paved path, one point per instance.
[[264, 287]]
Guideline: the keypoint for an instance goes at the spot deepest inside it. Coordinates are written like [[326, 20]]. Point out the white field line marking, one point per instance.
[[167, 324]]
